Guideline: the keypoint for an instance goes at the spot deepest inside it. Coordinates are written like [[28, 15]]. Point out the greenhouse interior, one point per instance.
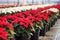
[[29, 19]]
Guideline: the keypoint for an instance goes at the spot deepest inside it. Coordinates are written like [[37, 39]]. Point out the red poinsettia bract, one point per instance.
[[3, 34]]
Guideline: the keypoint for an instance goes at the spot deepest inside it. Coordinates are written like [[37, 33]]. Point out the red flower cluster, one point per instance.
[[4, 23], [3, 34], [57, 6]]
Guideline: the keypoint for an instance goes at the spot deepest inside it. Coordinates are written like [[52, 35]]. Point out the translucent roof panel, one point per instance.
[[29, 1]]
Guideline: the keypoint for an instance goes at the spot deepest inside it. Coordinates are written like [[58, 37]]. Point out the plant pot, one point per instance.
[[35, 35], [49, 26], [55, 19], [43, 31], [22, 38], [46, 27], [52, 23], [58, 17]]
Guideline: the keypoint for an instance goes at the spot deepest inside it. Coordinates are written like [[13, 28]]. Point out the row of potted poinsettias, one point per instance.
[[25, 25]]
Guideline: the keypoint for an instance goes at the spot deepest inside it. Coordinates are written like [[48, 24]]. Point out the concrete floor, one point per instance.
[[52, 34]]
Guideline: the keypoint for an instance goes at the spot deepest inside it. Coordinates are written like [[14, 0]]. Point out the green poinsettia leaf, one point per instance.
[[12, 32], [15, 25], [2, 14], [33, 29]]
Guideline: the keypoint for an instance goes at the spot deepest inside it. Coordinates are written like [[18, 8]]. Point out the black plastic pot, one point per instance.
[[35, 35], [22, 38], [55, 19], [43, 31], [52, 23], [58, 17], [49, 26]]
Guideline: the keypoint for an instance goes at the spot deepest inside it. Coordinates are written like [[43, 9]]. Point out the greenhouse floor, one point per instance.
[[53, 33]]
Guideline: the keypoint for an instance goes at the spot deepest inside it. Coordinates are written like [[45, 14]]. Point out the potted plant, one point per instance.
[[37, 26], [23, 29]]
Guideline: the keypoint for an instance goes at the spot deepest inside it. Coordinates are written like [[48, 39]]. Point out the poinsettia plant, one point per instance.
[[7, 30]]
